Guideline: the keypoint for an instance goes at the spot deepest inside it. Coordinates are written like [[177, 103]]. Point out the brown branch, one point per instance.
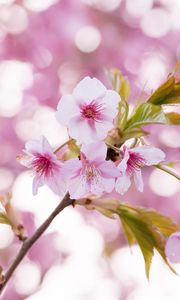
[[30, 241]]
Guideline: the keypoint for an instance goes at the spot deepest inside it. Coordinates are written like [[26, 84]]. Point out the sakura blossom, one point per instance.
[[172, 247], [133, 160], [92, 175], [89, 112], [38, 156]]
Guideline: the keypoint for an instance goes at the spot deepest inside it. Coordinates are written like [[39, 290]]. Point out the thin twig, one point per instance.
[[60, 147], [30, 241], [167, 170]]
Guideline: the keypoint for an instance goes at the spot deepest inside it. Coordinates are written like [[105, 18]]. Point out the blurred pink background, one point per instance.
[[46, 47]]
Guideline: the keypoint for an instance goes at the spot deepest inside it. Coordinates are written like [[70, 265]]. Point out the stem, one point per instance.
[[113, 147], [62, 146], [167, 170], [30, 241]]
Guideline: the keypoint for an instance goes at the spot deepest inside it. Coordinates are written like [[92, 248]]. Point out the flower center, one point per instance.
[[41, 164], [92, 111], [135, 162], [90, 172]]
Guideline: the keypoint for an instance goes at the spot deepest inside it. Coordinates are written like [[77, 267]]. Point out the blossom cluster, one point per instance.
[[89, 113]]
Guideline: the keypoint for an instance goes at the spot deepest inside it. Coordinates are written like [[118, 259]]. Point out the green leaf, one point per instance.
[[167, 93], [4, 219], [123, 110], [119, 83], [73, 150], [145, 114], [149, 228], [128, 233], [173, 117], [132, 133]]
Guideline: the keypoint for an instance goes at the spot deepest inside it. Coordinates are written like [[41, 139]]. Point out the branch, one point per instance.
[[30, 241], [167, 170]]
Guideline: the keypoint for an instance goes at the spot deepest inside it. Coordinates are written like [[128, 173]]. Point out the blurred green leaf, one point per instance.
[[119, 83], [73, 150], [149, 228], [4, 219], [145, 114], [167, 93], [173, 117]]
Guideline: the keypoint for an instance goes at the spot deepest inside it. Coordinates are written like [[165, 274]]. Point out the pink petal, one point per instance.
[[82, 131], [97, 187], [77, 188], [108, 169], [37, 182], [122, 184], [34, 146], [72, 168], [25, 160], [67, 108], [123, 163], [95, 152], [102, 128], [108, 184], [138, 180], [89, 89], [56, 183], [111, 99], [152, 155], [46, 147], [172, 248]]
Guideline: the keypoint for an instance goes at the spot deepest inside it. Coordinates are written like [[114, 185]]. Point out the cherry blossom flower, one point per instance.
[[131, 163], [92, 175], [46, 167], [172, 247], [89, 112]]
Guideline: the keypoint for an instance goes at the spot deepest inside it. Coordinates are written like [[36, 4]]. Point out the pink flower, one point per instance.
[[92, 175], [47, 169], [131, 163], [89, 112], [172, 248]]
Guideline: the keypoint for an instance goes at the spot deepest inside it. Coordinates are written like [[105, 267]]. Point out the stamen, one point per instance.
[[92, 111], [135, 162], [42, 164]]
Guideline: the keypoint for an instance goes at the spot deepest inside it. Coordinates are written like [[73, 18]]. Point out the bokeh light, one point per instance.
[[88, 39], [39, 5]]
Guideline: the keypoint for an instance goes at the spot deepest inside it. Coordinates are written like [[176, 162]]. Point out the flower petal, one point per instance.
[[151, 155], [83, 131], [108, 169], [138, 180], [38, 181], [123, 163], [95, 152], [34, 146], [108, 184], [77, 188], [67, 108], [56, 183], [102, 128], [72, 168], [89, 89], [25, 160], [172, 247], [122, 184], [111, 99]]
